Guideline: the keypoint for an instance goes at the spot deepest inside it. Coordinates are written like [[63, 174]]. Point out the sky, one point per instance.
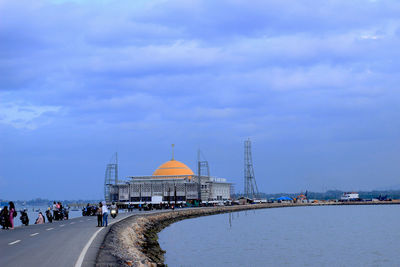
[[313, 84]]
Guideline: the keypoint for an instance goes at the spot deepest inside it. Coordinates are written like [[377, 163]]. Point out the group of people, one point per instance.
[[59, 213], [7, 215], [102, 213]]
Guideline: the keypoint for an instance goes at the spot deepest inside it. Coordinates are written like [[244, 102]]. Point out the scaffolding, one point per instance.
[[110, 177], [202, 170]]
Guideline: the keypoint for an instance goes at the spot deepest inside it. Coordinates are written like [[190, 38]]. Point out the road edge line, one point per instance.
[[86, 247]]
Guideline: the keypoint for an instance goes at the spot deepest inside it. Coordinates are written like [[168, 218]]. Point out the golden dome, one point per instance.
[[173, 168]]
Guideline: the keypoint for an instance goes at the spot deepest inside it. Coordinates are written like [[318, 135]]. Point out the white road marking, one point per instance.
[[80, 221], [48, 229], [85, 249], [72, 223], [15, 242], [88, 219], [62, 225], [34, 234]]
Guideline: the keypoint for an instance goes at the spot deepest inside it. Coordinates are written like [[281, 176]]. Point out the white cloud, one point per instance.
[[25, 116], [372, 37]]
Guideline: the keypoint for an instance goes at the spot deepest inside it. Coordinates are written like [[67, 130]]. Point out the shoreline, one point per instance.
[[134, 241]]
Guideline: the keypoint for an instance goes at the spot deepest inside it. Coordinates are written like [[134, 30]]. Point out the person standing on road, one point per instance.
[[4, 217], [99, 213], [55, 210], [105, 214], [48, 215], [12, 214]]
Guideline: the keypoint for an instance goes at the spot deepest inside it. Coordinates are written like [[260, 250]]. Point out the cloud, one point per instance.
[[198, 72], [25, 116]]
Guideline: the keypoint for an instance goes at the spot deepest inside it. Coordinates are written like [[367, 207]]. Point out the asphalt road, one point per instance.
[[54, 244]]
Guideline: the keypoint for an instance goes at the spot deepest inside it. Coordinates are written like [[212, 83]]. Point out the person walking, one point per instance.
[[99, 213], [12, 214], [105, 214]]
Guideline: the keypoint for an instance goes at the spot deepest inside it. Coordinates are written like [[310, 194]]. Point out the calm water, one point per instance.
[[300, 236], [33, 213]]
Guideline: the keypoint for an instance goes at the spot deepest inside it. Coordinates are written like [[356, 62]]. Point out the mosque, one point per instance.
[[171, 182]]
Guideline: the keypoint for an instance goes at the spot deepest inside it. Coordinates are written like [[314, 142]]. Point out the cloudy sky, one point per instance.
[[314, 85]]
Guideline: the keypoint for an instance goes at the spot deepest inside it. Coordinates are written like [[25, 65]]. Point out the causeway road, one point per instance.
[[72, 242]]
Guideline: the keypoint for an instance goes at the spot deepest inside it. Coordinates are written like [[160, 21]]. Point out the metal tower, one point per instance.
[[250, 185], [202, 168], [111, 176]]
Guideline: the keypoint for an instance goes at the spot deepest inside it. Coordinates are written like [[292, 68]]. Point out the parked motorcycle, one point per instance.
[[66, 214], [89, 211], [24, 217], [58, 215], [49, 216]]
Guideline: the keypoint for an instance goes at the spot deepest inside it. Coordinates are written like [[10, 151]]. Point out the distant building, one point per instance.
[[172, 182], [350, 196]]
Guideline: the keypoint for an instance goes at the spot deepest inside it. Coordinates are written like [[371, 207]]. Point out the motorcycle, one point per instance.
[[114, 212], [58, 215], [66, 214], [24, 217], [49, 216], [89, 211]]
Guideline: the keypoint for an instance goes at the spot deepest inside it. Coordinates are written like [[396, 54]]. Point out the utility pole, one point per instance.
[[175, 197], [169, 195]]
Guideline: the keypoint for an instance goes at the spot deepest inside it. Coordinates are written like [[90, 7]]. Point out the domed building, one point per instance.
[[172, 182], [173, 168]]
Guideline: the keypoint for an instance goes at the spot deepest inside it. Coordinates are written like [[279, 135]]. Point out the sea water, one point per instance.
[[33, 213], [295, 236]]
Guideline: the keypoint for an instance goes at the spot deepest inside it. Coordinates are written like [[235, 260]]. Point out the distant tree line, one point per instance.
[[331, 194], [46, 202]]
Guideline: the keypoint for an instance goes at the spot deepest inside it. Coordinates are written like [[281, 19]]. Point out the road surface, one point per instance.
[[73, 242]]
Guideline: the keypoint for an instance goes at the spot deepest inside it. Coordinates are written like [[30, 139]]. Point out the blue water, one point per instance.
[[299, 236], [33, 213]]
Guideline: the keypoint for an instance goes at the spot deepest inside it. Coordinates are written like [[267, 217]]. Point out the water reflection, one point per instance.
[[231, 215]]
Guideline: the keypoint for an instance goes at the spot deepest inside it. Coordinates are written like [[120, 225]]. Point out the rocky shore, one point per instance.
[[134, 241]]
